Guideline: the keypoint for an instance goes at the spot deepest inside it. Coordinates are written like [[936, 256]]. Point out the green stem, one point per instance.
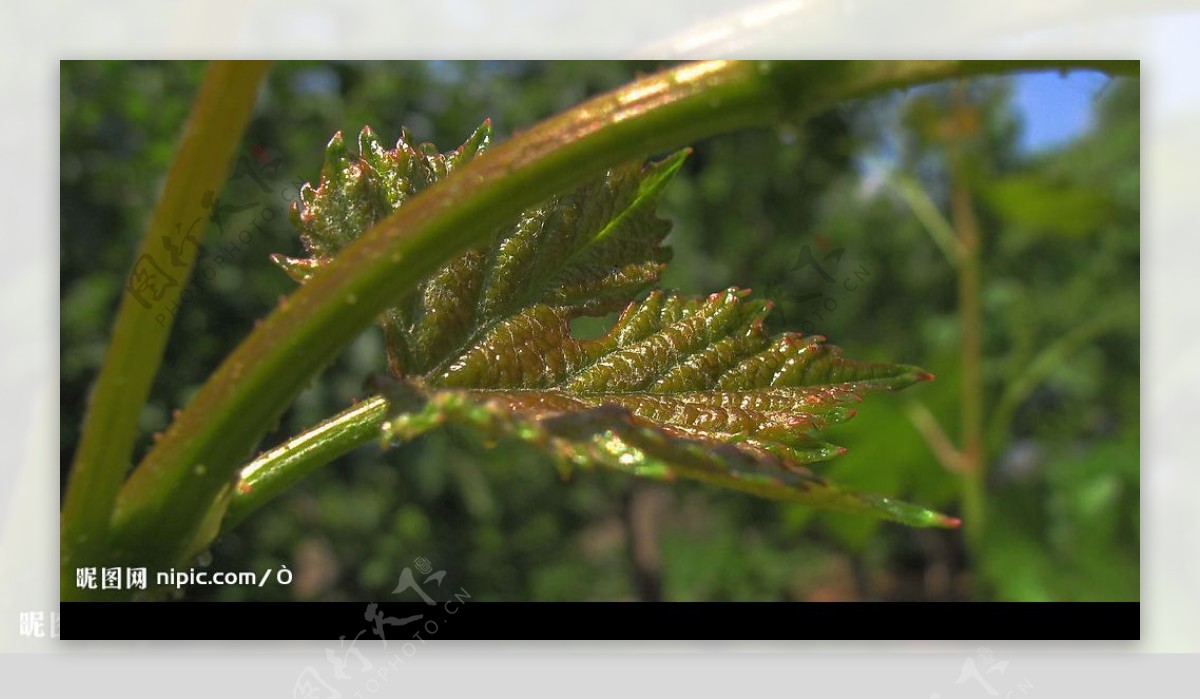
[[276, 470], [1049, 359], [935, 437], [171, 495], [143, 321], [970, 311], [930, 216]]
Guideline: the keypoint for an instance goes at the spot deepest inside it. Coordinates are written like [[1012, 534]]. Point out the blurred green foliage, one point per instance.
[[1061, 363]]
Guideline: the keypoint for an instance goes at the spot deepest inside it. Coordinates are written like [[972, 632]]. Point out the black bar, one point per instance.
[[467, 619]]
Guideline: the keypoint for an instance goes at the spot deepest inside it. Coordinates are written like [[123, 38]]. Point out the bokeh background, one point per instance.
[[1042, 172]]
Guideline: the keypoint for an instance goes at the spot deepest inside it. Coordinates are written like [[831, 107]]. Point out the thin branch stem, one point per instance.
[[935, 437], [1050, 359], [165, 259], [970, 312], [276, 470], [931, 218]]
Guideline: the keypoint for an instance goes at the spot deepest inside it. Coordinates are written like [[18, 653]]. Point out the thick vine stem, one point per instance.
[[163, 507]]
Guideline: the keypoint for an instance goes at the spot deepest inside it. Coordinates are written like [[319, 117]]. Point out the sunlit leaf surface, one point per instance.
[[679, 387]]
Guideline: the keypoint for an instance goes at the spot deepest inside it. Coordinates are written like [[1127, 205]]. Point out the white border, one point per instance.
[[1160, 32]]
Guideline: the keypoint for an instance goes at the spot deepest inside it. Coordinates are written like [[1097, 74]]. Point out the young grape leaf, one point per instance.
[[680, 387]]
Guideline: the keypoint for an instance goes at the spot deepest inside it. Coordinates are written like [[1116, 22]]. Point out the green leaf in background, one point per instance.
[[679, 387], [1032, 202]]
